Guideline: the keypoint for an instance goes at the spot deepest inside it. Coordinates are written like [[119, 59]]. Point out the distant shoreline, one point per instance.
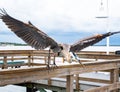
[[21, 44], [90, 48], [10, 43]]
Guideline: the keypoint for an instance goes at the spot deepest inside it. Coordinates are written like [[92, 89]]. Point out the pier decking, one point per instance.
[[31, 71]]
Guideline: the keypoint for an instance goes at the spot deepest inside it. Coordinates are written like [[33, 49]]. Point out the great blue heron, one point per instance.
[[40, 40]]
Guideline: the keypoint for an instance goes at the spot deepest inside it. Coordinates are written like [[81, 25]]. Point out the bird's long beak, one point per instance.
[[115, 32], [110, 33]]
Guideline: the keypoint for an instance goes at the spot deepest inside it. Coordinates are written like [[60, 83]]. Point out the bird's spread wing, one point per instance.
[[89, 41], [28, 32]]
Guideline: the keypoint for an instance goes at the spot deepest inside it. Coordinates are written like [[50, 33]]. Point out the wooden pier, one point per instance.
[[29, 72]]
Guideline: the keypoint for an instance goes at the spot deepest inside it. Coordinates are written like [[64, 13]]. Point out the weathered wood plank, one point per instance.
[[36, 73], [97, 56], [29, 60], [107, 88], [114, 77], [77, 82], [49, 81], [95, 80], [5, 62], [95, 52], [69, 85]]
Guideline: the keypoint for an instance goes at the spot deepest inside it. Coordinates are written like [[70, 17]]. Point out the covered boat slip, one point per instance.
[[32, 72]]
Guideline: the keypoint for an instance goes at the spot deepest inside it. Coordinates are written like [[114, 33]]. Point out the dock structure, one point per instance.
[[29, 73]]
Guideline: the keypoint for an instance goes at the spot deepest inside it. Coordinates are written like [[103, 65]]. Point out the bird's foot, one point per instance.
[[52, 67], [48, 67], [81, 64]]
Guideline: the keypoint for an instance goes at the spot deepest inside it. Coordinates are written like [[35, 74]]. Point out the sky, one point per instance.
[[66, 21]]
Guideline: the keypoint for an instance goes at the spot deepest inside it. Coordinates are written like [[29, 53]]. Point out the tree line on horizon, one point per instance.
[[12, 43]]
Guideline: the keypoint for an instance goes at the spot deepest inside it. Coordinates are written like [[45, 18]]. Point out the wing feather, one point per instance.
[[89, 41], [28, 32]]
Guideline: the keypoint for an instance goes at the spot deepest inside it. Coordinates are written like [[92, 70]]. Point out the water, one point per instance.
[[12, 88]]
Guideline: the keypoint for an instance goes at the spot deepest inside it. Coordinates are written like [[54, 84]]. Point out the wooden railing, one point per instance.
[[113, 78], [27, 55], [31, 55]]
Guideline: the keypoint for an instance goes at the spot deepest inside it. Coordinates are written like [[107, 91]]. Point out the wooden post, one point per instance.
[[12, 59], [49, 81], [63, 60], [77, 82], [32, 59], [5, 62], [69, 85], [29, 60], [114, 77], [45, 59]]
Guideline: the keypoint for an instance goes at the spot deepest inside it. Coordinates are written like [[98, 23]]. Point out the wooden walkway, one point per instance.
[[32, 71]]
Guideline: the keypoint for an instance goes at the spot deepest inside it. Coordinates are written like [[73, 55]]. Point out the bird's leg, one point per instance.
[[54, 64], [54, 60], [48, 65], [77, 58], [81, 63]]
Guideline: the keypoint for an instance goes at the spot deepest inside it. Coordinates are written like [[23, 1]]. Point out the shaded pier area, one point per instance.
[[29, 73]]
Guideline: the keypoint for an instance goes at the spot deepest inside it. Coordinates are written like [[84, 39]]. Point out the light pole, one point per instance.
[[107, 21]]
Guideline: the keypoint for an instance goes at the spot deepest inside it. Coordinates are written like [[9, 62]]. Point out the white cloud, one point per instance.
[[64, 15]]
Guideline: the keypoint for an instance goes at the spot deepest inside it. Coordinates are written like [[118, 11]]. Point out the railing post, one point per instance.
[[49, 81], [114, 77], [69, 85], [12, 59], [77, 82], [5, 62], [32, 58], [29, 60], [45, 59], [63, 60]]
